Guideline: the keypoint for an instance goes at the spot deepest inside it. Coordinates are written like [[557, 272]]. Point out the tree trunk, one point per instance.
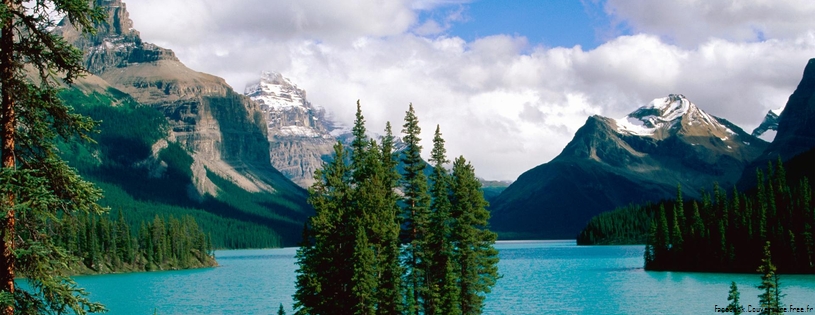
[[8, 125]]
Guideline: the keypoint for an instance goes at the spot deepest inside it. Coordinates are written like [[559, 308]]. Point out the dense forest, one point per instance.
[[116, 164], [382, 242], [720, 232], [103, 245]]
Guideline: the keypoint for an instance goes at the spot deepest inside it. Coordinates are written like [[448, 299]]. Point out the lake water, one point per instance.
[[539, 277]]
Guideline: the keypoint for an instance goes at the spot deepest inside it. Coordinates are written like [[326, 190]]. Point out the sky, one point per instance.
[[508, 82]]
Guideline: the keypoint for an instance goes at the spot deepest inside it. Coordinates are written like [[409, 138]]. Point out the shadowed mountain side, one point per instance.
[[562, 195], [796, 128], [614, 162]]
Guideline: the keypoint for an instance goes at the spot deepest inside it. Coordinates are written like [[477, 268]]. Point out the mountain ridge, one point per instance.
[[216, 138], [612, 162]]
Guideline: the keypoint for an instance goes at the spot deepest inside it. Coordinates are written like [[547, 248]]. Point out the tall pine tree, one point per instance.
[[416, 212], [768, 300], [476, 257], [389, 295], [442, 296], [325, 269]]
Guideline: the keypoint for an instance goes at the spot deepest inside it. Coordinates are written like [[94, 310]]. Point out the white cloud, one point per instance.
[[693, 22], [504, 105]]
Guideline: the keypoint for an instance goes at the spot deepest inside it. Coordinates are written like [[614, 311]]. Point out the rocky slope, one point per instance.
[[613, 162], [796, 128], [769, 126], [223, 131], [299, 134]]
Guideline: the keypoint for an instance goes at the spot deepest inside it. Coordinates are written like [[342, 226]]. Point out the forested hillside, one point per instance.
[[103, 245], [144, 175], [720, 232]]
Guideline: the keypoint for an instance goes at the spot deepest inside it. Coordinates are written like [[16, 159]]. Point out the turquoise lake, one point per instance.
[[539, 277]]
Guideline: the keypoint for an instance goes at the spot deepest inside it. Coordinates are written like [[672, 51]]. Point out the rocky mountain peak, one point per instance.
[[118, 20], [667, 116], [796, 128], [288, 112], [116, 43], [300, 135], [768, 127], [275, 92], [613, 162]]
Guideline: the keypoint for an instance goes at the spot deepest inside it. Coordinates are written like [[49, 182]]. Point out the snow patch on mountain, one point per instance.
[[664, 114], [274, 92]]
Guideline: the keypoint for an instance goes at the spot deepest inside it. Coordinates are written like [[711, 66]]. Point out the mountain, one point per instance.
[[613, 162], [493, 188], [299, 133], [769, 126], [796, 128], [215, 137]]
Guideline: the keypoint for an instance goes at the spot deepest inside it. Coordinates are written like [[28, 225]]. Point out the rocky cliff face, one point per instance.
[[796, 128], [769, 126], [224, 131], [298, 132], [613, 162]]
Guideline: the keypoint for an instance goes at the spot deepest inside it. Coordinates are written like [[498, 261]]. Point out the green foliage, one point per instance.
[[325, 269], [733, 297], [622, 226], [105, 245], [416, 212], [476, 258], [37, 187], [721, 232], [349, 257], [442, 294], [769, 299], [144, 183]]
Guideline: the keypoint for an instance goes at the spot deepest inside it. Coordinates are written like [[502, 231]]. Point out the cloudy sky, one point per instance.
[[508, 81]]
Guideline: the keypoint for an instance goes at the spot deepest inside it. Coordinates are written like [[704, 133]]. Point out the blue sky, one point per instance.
[[509, 82], [554, 23]]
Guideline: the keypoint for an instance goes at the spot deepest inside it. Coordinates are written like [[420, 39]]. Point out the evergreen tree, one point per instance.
[[281, 311], [768, 299], [35, 183], [416, 211], [662, 240], [389, 295], [649, 255], [324, 258], [679, 206], [733, 297], [364, 215], [676, 233], [442, 294], [476, 258]]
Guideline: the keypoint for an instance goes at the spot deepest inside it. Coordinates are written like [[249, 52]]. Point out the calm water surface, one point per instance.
[[539, 277]]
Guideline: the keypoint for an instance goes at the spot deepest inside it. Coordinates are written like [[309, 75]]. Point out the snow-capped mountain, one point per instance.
[[769, 126], [300, 134], [613, 162], [663, 116], [288, 112]]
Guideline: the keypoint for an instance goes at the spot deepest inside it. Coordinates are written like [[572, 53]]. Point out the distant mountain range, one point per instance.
[[612, 162], [181, 141], [215, 144]]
